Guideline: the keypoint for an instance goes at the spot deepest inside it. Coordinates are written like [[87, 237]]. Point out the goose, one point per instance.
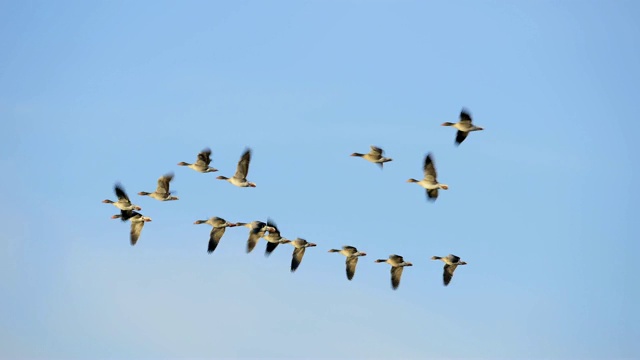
[[352, 258], [219, 226], [162, 191], [374, 156], [240, 177], [202, 163], [273, 237], [430, 181], [123, 202], [137, 221], [464, 126], [451, 262], [256, 231], [300, 246], [397, 264]]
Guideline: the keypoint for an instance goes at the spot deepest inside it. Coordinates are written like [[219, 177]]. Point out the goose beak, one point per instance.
[[138, 208], [312, 244], [231, 225]]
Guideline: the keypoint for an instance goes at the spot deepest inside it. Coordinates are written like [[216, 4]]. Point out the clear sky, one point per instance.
[[540, 204]]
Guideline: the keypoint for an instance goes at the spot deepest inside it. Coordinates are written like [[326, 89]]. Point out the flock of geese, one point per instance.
[[269, 231]]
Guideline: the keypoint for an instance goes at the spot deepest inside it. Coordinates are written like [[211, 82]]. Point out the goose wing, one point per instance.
[[351, 263], [136, 229], [396, 274], [376, 152], [270, 247], [243, 165], [429, 168], [298, 253], [204, 157], [163, 184], [254, 235], [447, 275], [214, 238], [122, 196], [432, 194], [460, 136], [465, 117]]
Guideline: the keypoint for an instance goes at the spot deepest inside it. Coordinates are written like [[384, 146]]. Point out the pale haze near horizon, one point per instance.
[[540, 204]]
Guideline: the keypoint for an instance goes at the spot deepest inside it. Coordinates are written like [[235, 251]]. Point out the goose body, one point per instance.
[[464, 126], [137, 221], [240, 177], [123, 202], [219, 226], [451, 262], [352, 255], [375, 155], [202, 162], [397, 265], [300, 245], [162, 192], [430, 180], [257, 230]]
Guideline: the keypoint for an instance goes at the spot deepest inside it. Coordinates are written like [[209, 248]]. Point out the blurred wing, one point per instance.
[[204, 157], [163, 183], [136, 229], [376, 151], [243, 165], [298, 253], [352, 261], [254, 236], [465, 116], [432, 194], [120, 193], [396, 274], [460, 136], [447, 275], [429, 168], [214, 238], [270, 247]]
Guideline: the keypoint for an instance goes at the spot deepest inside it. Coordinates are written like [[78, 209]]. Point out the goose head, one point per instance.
[[447, 124], [357, 154], [182, 163], [220, 177], [412, 181], [144, 193], [107, 201]]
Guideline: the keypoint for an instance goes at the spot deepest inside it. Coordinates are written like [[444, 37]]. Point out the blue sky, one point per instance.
[[540, 204]]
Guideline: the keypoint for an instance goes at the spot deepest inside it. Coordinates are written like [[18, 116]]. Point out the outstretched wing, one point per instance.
[[447, 275], [136, 229], [396, 274], [243, 165], [214, 238], [351, 262], [298, 253], [460, 136], [120, 193], [163, 183], [429, 168]]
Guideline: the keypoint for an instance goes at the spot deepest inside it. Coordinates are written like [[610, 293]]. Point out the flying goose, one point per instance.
[[397, 264], [374, 156], [202, 163], [273, 237], [464, 126], [137, 221], [123, 202], [256, 231], [430, 181], [162, 191], [451, 262], [240, 177], [219, 226], [300, 246], [352, 258]]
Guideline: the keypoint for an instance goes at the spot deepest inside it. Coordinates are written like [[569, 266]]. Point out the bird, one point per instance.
[[273, 237], [451, 262], [374, 156], [123, 202], [162, 191], [240, 177], [352, 258], [137, 221], [219, 227], [464, 126], [300, 246], [430, 181], [397, 264], [202, 163], [256, 231]]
